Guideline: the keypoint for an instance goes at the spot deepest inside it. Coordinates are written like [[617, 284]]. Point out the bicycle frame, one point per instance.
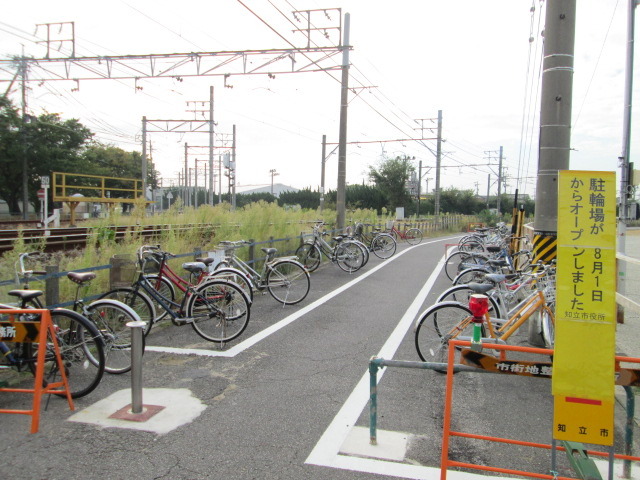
[[165, 271]]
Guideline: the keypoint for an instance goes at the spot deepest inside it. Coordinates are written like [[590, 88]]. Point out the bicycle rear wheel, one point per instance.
[[383, 246], [288, 282], [220, 310], [349, 257], [139, 302], [439, 324], [111, 318], [309, 255], [81, 349], [236, 276], [413, 236]]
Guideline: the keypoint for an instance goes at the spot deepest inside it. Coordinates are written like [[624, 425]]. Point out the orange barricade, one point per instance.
[[632, 376], [15, 331]]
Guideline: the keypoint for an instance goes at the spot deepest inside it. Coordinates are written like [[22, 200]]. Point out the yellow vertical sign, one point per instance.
[[583, 364]]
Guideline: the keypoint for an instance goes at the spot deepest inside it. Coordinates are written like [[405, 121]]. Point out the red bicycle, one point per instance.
[[412, 236]]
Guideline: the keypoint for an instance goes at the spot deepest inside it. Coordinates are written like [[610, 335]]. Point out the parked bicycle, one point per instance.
[[349, 256], [217, 309], [411, 235], [452, 320], [285, 278], [81, 346], [383, 245], [109, 316]]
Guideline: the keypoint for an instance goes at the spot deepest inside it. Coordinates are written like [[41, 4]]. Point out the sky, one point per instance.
[[476, 62]]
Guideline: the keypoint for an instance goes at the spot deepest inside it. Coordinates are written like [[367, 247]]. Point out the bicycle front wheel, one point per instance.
[[349, 257], [220, 310], [138, 301], [111, 317], [309, 255], [548, 327], [413, 236], [383, 246], [288, 282], [81, 350], [439, 324]]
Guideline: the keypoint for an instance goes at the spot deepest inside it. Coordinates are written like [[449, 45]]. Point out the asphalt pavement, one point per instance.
[[289, 398]]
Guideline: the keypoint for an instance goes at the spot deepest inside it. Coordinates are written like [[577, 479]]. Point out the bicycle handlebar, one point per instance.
[[27, 273]]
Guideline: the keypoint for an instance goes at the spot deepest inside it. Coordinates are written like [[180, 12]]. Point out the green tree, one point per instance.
[[47, 142], [391, 177]]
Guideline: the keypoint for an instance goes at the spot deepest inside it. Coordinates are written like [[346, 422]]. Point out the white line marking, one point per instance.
[[251, 341], [326, 451]]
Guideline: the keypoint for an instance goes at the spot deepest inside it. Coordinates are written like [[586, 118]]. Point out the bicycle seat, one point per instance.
[[25, 294], [81, 278], [499, 277], [207, 261], [481, 288], [194, 267], [493, 248], [338, 238]]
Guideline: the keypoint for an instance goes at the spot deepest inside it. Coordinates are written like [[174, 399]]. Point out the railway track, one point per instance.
[[57, 239]]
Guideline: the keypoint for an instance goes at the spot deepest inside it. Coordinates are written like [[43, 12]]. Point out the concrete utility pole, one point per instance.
[[273, 174], [233, 172], [211, 140], [324, 159], [186, 175], [144, 157], [555, 122], [341, 205], [499, 181], [438, 161], [25, 160], [626, 167]]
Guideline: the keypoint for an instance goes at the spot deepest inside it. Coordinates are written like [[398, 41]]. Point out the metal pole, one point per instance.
[[195, 184], [25, 160], [419, 182], [625, 187], [499, 182], [342, 148], [137, 328], [144, 157], [211, 142], [438, 160], [324, 154], [186, 176], [555, 122], [233, 159]]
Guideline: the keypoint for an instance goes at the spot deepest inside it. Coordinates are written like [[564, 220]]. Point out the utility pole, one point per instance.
[[499, 182], [273, 174], [438, 161], [233, 160], [144, 157], [186, 176], [626, 167], [211, 140], [324, 159], [488, 188], [341, 205], [555, 122], [25, 160]]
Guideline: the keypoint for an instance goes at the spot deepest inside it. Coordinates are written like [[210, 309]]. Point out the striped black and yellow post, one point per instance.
[[544, 246]]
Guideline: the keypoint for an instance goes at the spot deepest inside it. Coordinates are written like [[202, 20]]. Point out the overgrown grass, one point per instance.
[[259, 222]]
